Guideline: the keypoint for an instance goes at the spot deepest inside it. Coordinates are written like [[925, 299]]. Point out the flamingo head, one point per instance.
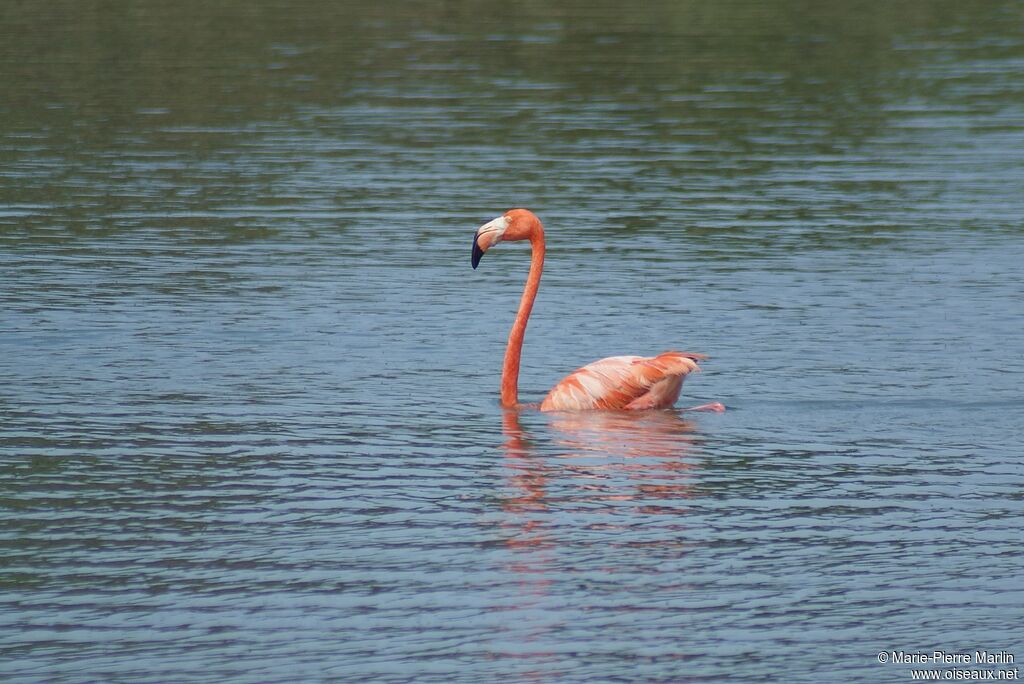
[[514, 224]]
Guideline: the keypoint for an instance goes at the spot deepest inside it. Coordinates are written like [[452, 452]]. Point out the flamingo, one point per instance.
[[628, 383]]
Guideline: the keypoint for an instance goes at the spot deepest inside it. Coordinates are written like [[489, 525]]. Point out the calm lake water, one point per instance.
[[249, 417]]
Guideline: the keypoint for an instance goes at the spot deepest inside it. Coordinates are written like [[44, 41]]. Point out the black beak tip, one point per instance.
[[477, 253]]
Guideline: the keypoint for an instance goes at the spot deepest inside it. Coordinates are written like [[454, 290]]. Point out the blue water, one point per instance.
[[249, 420]]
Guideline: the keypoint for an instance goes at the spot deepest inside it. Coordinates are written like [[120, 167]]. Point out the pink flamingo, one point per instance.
[[618, 382]]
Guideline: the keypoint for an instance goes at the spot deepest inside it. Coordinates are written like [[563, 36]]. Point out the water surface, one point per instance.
[[249, 421]]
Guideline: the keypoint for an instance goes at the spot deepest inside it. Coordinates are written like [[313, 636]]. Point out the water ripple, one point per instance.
[[249, 416]]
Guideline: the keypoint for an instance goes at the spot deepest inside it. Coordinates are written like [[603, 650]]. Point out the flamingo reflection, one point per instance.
[[597, 488], [611, 461], [527, 480]]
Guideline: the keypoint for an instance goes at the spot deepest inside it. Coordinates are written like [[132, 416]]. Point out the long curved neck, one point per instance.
[[514, 350]]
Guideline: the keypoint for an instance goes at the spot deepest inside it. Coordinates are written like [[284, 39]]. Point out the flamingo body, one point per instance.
[[627, 383], [623, 382]]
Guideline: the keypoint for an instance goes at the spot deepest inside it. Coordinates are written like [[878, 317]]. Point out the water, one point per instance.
[[249, 422]]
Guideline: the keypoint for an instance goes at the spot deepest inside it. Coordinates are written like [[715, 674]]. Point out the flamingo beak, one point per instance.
[[477, 252], [487, 236]]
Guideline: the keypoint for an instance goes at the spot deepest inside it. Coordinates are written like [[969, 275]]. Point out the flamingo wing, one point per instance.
[[623, 382]]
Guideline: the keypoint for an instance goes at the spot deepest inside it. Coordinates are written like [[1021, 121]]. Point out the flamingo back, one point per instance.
[[624, 382]]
